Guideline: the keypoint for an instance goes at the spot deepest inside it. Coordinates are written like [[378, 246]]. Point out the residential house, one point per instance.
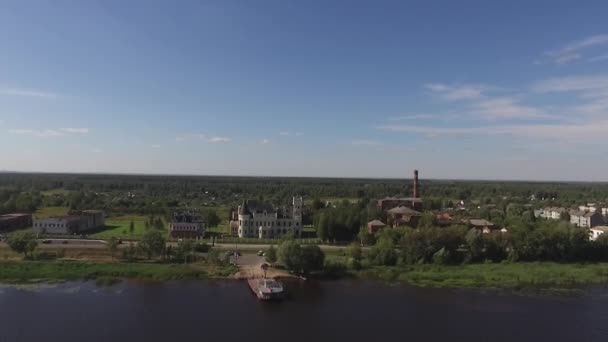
[[403, 216], [375, 226], [483, 225], [444, 219], [554, 213], [586, 219]]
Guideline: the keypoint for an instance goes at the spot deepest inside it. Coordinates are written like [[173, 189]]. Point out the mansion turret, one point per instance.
[[262, 220]]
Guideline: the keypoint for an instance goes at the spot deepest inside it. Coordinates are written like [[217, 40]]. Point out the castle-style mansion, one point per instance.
[[262, 220]]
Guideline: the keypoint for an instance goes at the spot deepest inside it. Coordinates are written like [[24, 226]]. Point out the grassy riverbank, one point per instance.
[[50, 271], [505, 276]]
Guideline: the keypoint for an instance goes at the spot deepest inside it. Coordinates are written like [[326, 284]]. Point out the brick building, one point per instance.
[[10, 222]]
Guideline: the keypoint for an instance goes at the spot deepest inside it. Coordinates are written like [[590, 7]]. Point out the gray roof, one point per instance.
[[404, 211], [577, 213], [601, 228], [253, 206], [410, 199], [376, 223], [480, 222]]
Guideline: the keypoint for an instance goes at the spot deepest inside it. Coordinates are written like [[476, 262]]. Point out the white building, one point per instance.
[[589, 207], [586, 219], [595, 232], [63, 225], [263, 221], [554, 213], [70, 224]]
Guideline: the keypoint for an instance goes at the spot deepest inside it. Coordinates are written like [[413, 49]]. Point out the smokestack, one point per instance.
[[416, 194]]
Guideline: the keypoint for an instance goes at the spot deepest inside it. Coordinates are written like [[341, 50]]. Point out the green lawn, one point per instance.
[[119, 227]]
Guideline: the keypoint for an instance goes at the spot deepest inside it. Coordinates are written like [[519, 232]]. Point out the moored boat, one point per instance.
[[266, 289]]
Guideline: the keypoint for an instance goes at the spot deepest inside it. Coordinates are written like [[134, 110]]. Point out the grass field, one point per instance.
[[119, 227]]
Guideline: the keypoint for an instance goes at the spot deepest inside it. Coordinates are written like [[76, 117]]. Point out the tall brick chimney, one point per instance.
[[416, 194]]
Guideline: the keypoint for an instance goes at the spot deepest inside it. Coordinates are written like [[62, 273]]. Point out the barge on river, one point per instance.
[[266, 289]]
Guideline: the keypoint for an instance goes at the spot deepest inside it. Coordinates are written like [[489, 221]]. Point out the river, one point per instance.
[[338, 311]]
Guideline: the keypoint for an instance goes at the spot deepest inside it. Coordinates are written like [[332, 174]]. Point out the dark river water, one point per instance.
[[336, 311]]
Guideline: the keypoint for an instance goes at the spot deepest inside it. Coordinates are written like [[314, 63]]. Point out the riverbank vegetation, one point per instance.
[[515, 276], [51, 271]]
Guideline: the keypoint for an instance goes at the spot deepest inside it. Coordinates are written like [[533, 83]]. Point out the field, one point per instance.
[[119, 227]]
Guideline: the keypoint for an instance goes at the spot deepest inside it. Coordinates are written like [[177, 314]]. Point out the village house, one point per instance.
[[186, 226], [596, 231], [483, 225], [403, 216], [10, 222], [444, 219], [586, 219], [375, 226], [554, 213]]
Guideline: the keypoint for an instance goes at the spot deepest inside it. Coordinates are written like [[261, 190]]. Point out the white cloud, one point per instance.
[[506, 108], [50, 132], [264, 141], [284, 133], [27, 93], [299, 134], [456, 92], [599, 58], [203, 137], [75, 130], [218, 139], [574, 50], [572, 132], [571, 83]]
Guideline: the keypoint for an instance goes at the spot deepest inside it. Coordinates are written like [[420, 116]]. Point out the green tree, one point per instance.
[[152, 243], [112, 246], [323, 227], [312, 258], [131, 227], [427, 220], [212, 218], [23, 242], [271, 254], [290, 254], [184, 251]]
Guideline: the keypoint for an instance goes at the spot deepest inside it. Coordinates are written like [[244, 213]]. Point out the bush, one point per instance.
[[202, 247]]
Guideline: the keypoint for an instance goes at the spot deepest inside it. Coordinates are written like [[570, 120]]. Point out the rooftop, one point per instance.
[[480, 222], [601, 228], [376, 223], [404, 211]]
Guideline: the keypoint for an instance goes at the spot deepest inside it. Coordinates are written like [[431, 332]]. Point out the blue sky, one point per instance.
[[456, 89]]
